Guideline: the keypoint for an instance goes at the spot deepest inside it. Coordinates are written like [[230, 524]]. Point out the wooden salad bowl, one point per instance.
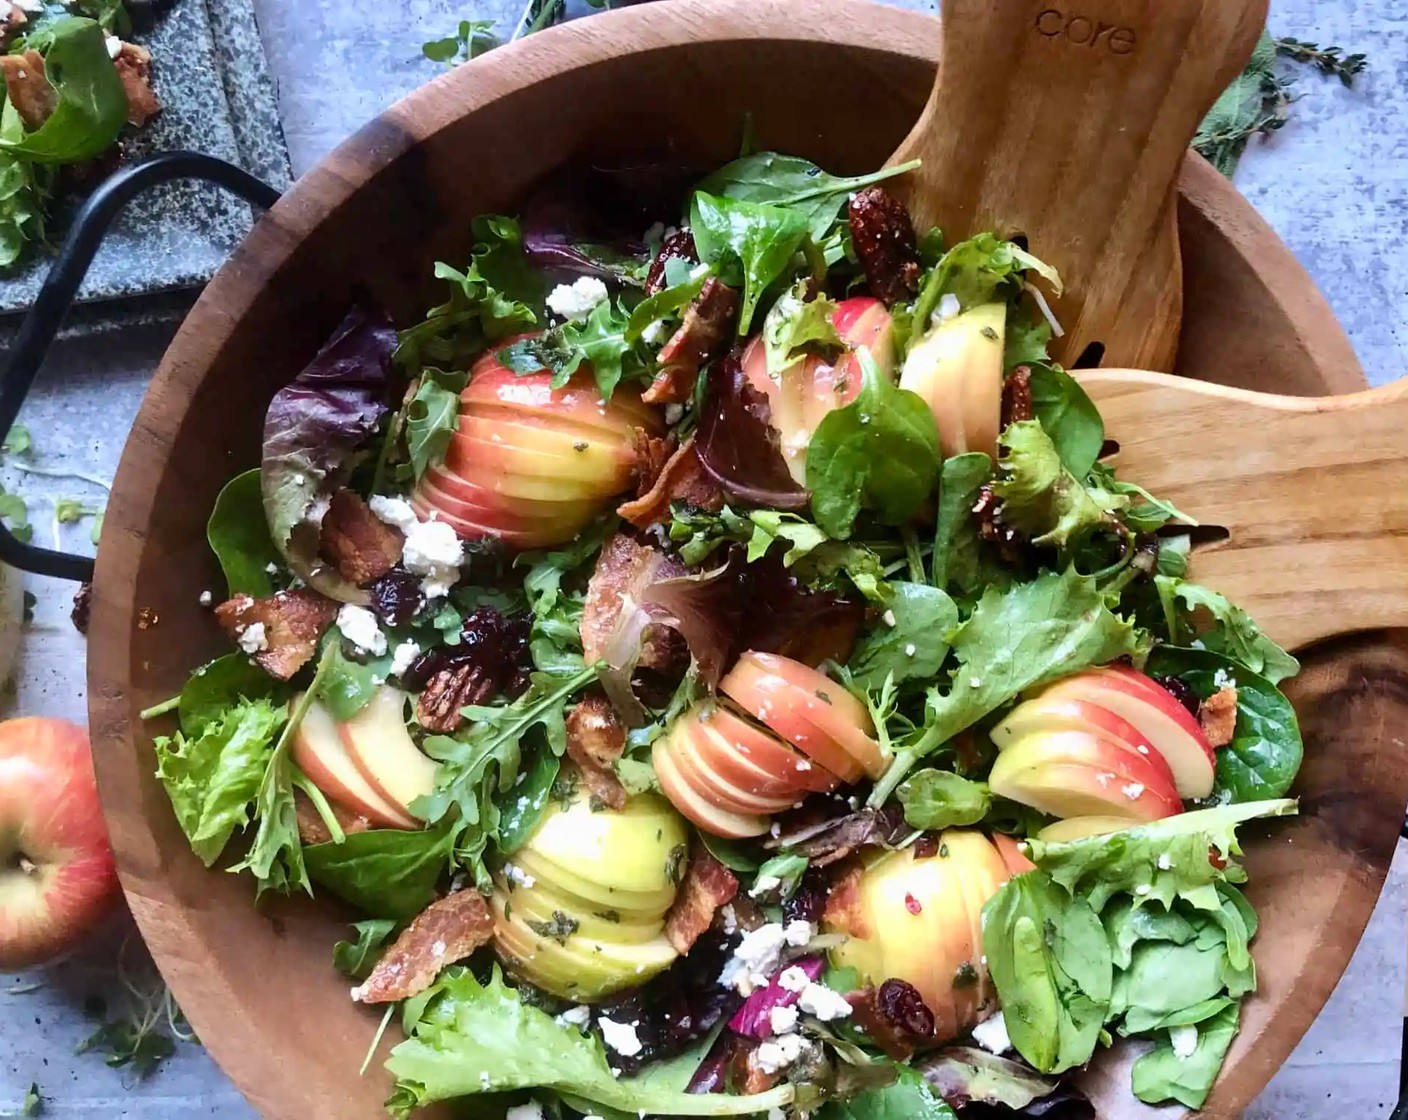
[[840, 82]]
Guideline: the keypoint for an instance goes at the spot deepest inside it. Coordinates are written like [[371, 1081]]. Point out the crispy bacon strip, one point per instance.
[[361, 546], [293, 621], [595, 740], [704, 328], [625, 568], [681, 479], [27, 83], [134, 67], [1218, 717], [446, 931], [312, 829], [707, 886]]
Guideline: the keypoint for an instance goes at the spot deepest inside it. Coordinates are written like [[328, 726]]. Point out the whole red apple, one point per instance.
[[57, 875]]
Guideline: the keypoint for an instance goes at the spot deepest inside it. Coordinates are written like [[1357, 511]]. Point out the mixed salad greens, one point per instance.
[[723, 671]]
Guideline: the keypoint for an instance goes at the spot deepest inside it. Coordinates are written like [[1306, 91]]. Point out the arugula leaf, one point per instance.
[[983, 269], [881, 451], [384, 870], [521, 808], [746, 243], [908, 1097], [92, 103], [356, 959], [603, 340], [914, 645], [23, 194], [1266, 750], [1142, 512], [666, 302], [216, 688], [1014, 640], [1235, 634], [936, 799], [111, 14], [431, 418], [1159, 862], [1051, 965], [239, 537], [1041, 497], [779, 180], [1068, 416], [468, 1038], [958, 560], [214, 777], [1161, 1075], [796, 327]]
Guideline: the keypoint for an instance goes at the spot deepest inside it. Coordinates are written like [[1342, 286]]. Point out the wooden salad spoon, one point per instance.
[[1313, 493], [1066, 122]]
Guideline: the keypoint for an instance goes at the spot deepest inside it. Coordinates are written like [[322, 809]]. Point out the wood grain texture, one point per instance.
[[1068, 123], [838, 81]]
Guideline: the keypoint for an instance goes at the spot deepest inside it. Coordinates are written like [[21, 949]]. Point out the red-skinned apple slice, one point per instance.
[[957, 368], [593, 454], [383, 750], [426, 503], [1011, 853], [1075, 774], [1079, 828], [809, 710], [765, 751], [480, 504], [710, 785], [715, 821], [319, 752], [514, 473], [1165, 724], [715, 754]]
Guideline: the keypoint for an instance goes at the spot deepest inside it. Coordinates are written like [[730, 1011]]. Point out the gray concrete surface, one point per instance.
[[1334, 183]]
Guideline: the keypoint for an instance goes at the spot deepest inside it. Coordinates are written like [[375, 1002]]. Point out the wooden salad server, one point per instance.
[[1066, 122], [1313, 492]]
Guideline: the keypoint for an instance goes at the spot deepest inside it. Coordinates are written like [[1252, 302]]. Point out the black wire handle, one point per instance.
[[55, 300]]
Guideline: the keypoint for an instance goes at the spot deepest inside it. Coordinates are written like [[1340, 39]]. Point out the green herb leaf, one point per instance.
[[958, 561], [356, 959], [18, 441], [239, 536], [796, 327], [935, 799], [909, 1097], [785, 867], [1235, 634], [983, 269], [347, 686], [1161, 1075], [384, 870], [1069, 417], [881, 451], [431, 418], [665, 303], [915, 645], [603, 340], [521, 807], [746, 243], [1042, 498]]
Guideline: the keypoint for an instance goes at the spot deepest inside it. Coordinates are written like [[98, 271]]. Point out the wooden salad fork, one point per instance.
[[1313, 493], [1066, 122]]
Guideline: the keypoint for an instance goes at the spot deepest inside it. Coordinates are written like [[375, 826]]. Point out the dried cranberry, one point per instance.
[[678, 246], [926, 847], [495, 645], [1181, 692], [808, 902], [396, 597], [904, 1008]]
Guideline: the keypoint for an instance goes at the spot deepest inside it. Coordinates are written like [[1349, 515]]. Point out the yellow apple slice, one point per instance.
[[957, 368], [318, 751]]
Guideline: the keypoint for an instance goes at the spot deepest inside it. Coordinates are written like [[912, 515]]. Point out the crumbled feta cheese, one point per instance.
[[655, 332], [402, 658], [673, 414], [775, 1113], [1104, 779], [777, 1054], [620, 1037], [783, 1020], [804, 764], [578, 1016], [34, 7], [1134, 791], [775, 831], [755, 958], [910, 649], [577, 299], [1185, 1042], [948, 308], [114, 45], [517, 876], [1164, 863], [271, 568], [793, 979], [1223, 679], [318, 510], [825, 1004], [799, 932], [434, 552], [991, 1035], [530, 1111], [763, 885], [888, 618], [1142, 889], [206, 598], [730, 919], [252, 638], [359, 626], [393, 511], [485, 1080]]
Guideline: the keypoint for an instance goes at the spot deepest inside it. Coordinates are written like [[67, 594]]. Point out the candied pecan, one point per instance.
[[134, 67], [28, 86], [446, 931], [595, 740], [707, 324], [491, 656], [679, 246], [1218, 717], [708, 885], [884, 241], [448, 691], [1017, 396], [397, 596], [82, 608], [988, 510], [894, 1017], [843, 910], [312, 829], [624, 569], [682, 479], [751, 1078], [360, 545], [292, 622]]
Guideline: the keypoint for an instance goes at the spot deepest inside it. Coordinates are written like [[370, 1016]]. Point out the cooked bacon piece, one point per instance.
[[27, 83], [446, 931], [313, 830], [1017, 396], [707, 885], [134, 67], [894, 1017], [1218, 716], [447, 693], [678, 246], [293, 621], [706, 325], [752, 1078], [843, 906], [883, 237], [625, 568], [652, 455], [682, 479], [595, 740], [361, 545]]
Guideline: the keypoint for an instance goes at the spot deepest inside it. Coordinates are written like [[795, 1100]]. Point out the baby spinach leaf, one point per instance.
[[239, 537], [1027, 342], [521, 806], [1068, 416], [1050, 963], [1266, 750], [779, 180], [1236, 635], [958, 549], [880, 452], [914, 646], [733, 854], [92, 103], [384, 870], [747, 244], [222, 685], [1162, 1075], [934, 799], [356, 959], [432, 417], [347, 686]]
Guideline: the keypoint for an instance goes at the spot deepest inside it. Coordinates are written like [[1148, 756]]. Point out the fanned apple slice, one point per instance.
[[1075, 774], [381, 746], [710, 818], [319, 752]]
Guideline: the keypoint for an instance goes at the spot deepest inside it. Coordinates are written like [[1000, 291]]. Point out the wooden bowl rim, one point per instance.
[[389, 137]]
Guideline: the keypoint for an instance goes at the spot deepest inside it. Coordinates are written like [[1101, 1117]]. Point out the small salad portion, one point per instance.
[[717, 663]]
